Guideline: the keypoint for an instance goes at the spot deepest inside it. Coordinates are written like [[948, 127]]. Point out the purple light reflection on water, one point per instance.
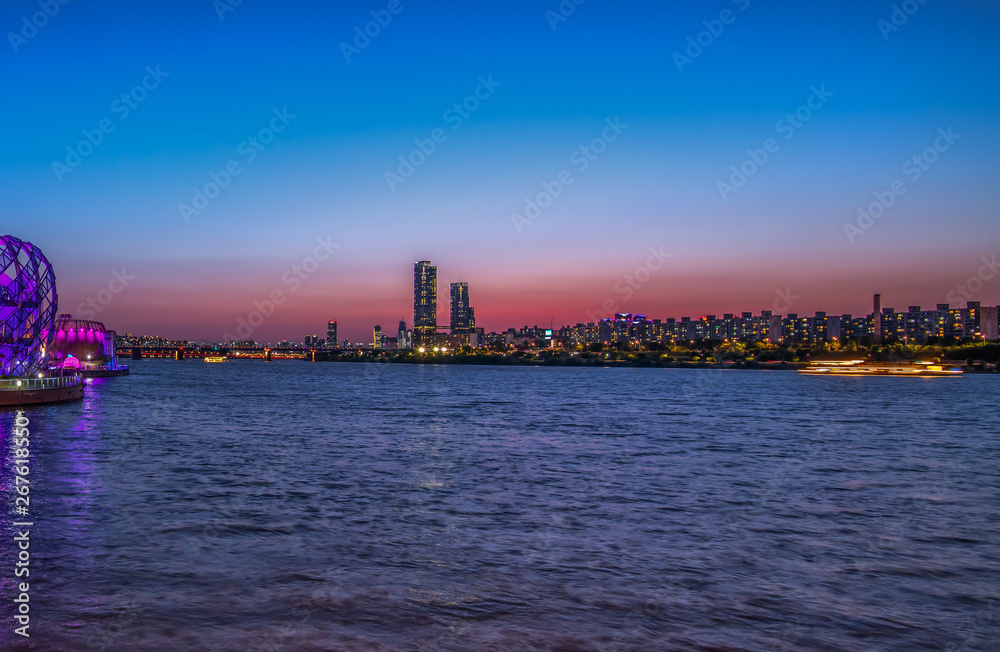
[[65, 480]]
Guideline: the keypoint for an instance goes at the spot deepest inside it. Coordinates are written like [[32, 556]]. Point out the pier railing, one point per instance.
[[22, 384]]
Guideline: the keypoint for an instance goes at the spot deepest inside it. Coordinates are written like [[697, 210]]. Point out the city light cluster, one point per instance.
[[915, 325]]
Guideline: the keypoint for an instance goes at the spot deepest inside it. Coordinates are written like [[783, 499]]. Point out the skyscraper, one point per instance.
[[463, 318], [377, 337], [402, 336], [424, 301], [331, 334]]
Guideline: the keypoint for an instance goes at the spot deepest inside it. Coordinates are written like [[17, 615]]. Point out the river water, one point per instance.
[[262, 506]]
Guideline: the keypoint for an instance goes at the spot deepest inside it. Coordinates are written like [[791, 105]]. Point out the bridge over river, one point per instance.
[[264, 353]]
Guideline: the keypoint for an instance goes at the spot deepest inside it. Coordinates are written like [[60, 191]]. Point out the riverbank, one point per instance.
[[524, 359], [973, 359]]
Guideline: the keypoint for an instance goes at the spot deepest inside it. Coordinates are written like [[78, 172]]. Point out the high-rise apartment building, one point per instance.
[[424, 301], [877, 319], [463, 317]]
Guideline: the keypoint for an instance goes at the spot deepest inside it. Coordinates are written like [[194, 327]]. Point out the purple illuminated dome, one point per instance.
[[80, 341], [28, 305]]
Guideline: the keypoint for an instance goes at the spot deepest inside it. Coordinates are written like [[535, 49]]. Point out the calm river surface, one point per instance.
[[258, 506]]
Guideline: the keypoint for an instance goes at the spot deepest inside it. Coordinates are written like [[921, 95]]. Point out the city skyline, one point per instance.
[[581, 325], [499, 307], [425, 288], [863, 159]]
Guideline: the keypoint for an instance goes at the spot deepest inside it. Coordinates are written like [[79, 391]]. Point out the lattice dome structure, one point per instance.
[[28, 306]]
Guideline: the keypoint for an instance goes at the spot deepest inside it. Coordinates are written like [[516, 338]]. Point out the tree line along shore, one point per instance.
[[981, 357]]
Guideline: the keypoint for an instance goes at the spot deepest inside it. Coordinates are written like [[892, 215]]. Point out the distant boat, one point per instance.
[[217, 359], [865, 368]]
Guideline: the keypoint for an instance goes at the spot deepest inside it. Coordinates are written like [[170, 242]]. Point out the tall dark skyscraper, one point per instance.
[[424, 301], [331, 334], [463, 318]]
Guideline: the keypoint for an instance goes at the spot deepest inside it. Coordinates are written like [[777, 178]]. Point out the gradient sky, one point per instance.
[[655, 186]]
